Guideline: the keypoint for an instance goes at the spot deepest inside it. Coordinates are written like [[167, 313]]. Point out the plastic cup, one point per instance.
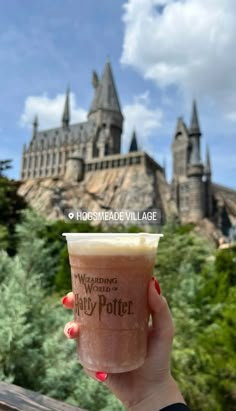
[[110, 277]]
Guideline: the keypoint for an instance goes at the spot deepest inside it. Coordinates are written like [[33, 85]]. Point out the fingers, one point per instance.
[[96, 375], [162, 323], [68, 301], [71, 330]]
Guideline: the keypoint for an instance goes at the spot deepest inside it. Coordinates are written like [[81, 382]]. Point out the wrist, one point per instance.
[[164, 395]]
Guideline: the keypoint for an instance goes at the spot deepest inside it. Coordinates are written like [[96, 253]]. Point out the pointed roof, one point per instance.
[[181, 128], [35, 122], [194, 127], [133, 144], [208, 161], [66, 112], [35, 126], [105, 96]]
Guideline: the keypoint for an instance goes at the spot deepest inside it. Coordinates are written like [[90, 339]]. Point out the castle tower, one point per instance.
[[133, 144], [66, 112], [74, 168], [208, 190], [195, 171], [180, 156], [106, 112]]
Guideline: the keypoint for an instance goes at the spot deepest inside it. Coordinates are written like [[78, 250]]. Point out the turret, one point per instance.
[[194, 134], [195, 170], [208, 188], [208, 164], [35, 127], [133, 144], [66, 112], [106, 112]]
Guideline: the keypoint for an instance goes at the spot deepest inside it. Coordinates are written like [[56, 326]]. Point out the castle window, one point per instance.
[[54, 158], [24, 162], [42, 144], [48, 159], [36, 161], [41, 160], [60, 157], [30, 162], [106, 153]]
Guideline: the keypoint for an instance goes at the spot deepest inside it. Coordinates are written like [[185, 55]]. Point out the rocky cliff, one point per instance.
[[124, 188], [133, 188]]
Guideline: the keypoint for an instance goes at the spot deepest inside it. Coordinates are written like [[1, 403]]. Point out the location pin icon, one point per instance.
[[71, 215]]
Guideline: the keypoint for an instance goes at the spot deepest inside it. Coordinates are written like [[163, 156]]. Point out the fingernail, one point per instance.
[[64, 300], [101, 376], [70, 331], [157, 287]]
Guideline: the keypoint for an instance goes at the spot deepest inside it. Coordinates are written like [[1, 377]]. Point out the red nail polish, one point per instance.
[[64, 300], [101, 376], [70, 331], [157, 287]]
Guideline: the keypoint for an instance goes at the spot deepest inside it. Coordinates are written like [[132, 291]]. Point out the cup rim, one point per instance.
[[113, 235]]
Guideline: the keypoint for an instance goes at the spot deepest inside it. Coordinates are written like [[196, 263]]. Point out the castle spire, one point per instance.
[[208, 162], [133, 144], [106, 97], [95, 80], [66, 112], [35, 126], [194, 127], [195, 134]]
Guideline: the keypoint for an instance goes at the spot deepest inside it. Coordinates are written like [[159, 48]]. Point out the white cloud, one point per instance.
[[139, 116], [49, 111], [189, 44]]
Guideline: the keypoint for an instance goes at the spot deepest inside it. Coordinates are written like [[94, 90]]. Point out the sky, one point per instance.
[[164, 53]]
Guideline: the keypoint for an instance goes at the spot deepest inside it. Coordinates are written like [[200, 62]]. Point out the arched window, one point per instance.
[[41, 160], [106, 151]]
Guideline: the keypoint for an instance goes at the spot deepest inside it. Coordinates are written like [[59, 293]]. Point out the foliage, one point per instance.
[[11, 205], [198, 282], [4, 165], [36, 255], [200, 288]]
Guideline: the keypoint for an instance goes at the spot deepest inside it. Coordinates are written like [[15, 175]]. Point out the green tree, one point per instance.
[[35, 253], [11, 205], [4, 165], [200, 288]]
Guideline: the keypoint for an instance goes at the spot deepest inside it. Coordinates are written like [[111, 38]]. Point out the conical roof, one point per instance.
[[133, 144], [66, 112], [208, 162], [194, 127], [105, 96]]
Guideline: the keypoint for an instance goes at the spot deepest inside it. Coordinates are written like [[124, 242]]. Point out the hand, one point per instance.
[[151, 387]]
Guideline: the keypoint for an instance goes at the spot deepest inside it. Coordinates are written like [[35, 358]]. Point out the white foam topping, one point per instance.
[[112, 244]]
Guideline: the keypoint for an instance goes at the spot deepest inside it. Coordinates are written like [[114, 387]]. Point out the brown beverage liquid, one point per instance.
[[111, 308]]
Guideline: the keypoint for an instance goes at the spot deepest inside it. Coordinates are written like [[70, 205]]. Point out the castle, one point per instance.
[[73, 151]]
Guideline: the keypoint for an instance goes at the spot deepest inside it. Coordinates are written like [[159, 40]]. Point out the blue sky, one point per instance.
[[163, 53]]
